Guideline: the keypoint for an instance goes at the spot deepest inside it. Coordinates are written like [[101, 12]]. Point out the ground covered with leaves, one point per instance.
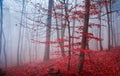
[[97, 63]]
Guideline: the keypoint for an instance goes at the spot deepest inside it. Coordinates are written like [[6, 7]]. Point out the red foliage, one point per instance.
[[74, 18], [63, 25], [96, 64]]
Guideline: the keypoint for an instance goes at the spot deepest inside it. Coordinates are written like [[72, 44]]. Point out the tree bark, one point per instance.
[[69, 34], [100, 35], [108, 22], [111, 26], [84, 37]]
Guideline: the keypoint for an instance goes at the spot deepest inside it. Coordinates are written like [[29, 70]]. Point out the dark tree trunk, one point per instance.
[[84, 37], [68, 25], [100, 34], [108, 22]]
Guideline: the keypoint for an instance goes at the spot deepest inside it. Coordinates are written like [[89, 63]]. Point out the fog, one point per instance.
[[20, 28]]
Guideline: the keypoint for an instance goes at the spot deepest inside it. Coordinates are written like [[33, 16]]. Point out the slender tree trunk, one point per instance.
[[4, 49], [1, 24], [30, 59], [2, 34], [62, 34], [112, 32], [97, 35], [58, 34], [117, 30], [84, 37], [101, 47], [36, 46], [20, 33], [62, 43], [48, 30], [100, 34], [68, 25], [114, 29], [73, 30], [108, 22]]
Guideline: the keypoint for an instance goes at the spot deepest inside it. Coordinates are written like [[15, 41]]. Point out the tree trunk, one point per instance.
[[108, 22], [1, 24], [100, 35], [114, 29], [68, 25], [112, 32], [2, 34], [48, 30], [62, 35], [73, 30], [19, 37], [58, 34], [84, 37]]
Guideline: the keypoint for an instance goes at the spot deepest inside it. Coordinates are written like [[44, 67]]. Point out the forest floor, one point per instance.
[[97, 63]]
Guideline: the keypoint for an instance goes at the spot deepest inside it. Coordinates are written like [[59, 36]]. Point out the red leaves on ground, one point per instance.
[[97, 63]]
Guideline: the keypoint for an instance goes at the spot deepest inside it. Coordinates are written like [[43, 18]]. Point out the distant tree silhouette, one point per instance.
[[48, 30]]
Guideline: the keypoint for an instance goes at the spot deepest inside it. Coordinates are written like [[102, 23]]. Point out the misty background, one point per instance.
[[21, 26]]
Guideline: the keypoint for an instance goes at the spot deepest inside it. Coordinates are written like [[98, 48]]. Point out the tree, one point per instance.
[[74, 23], [109, 25], [100, 9], [20, 34], [1, 24], [84, 36], [69, 34], [60, 34], [48, 30], [2, 34]]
